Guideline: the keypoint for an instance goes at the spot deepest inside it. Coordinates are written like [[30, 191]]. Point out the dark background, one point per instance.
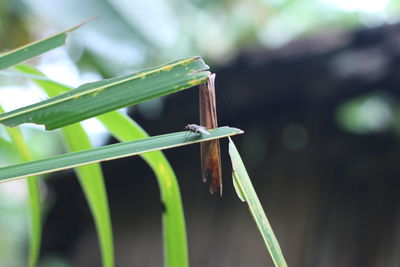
[[332, 196]]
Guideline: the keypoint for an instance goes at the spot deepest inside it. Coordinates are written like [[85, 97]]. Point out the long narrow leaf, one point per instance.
[[125, 129], [175, 244], [92, 182], [110, 152], [34, 49], [52, 88], [96, 98], [90, 176], [247, 193], [33, 197]]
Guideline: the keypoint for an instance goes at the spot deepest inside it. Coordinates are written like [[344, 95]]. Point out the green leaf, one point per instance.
[[110, 152], [96, 98], [33, 197], [34, 49], [51, 87], [8, 153], [246, 191], [238, 189], [124, 128], [90, 176], [92, 182]]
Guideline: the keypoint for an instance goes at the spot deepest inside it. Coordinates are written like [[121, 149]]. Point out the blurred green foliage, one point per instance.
[[155, 31], [371, 113]]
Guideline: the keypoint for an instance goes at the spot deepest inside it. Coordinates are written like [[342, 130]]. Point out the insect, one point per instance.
[[194, 128]]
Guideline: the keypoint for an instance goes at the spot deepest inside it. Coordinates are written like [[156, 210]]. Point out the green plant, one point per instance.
[[66, 108]]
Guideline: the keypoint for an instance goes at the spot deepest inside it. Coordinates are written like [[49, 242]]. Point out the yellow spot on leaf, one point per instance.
[[188, 61], [95, 93], [194, 82], [167, 68]]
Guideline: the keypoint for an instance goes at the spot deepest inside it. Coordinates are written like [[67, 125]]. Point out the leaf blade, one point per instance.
[[36, 48], [248, 193], [92, 182], [34, 203], [90, 176], [109, 152], [124, 128], [96, 98]]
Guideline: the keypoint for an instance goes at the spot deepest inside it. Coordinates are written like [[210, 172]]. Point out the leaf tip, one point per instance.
[[81, 24]]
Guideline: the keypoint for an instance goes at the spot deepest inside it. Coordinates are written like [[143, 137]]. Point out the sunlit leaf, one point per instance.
[[90, 176], [35, 227], [92, 182], [124, 128]]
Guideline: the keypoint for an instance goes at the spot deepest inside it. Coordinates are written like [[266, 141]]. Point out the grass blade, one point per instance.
[[109, 152], [125, 129], [96, 98], [34, 204], [51, 87], [247, 193], [174, 230], [90, 176], [34, 49], [92, 182]]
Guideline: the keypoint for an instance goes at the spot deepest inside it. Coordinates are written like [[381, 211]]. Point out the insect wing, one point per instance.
[[202, 130]]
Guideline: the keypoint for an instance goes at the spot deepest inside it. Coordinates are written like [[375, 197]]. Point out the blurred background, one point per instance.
[[314, 84]]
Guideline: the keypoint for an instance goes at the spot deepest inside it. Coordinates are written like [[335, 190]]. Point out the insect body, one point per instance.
[[197, 129]]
